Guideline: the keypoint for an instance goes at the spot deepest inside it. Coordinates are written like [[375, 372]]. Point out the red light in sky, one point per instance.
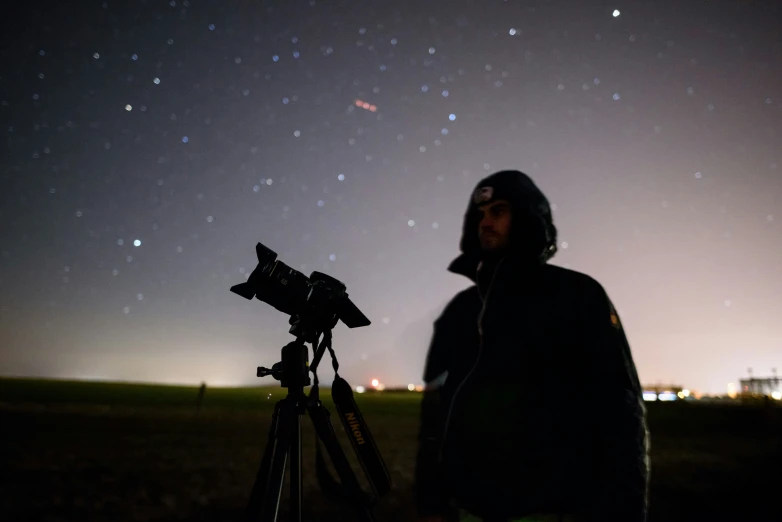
[[366, 105]]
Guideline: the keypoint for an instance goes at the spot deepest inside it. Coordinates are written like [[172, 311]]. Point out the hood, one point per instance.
[[533, 236]]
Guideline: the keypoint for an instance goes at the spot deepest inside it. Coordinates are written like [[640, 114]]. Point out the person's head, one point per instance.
[[508, 213], [494, 226]]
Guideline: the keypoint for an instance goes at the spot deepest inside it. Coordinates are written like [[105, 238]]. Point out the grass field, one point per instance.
[[126, 452]]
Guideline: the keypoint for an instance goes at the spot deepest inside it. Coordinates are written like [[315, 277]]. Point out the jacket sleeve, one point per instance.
[[430, 495], [621, 487]]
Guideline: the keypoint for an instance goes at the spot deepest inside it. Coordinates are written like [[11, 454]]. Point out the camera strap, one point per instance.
[[360, 438]]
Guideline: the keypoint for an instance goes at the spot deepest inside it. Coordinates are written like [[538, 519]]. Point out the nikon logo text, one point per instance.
[[354, 427]]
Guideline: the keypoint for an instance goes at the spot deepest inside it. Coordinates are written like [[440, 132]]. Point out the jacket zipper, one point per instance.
[[480, 350]]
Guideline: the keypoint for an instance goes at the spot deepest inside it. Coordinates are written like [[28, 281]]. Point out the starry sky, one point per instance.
[[147, 146]]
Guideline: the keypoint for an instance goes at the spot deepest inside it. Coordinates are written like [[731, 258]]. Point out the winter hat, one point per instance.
[[532, 234]]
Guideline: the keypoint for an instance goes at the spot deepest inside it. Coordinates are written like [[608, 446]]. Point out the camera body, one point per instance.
[[316, 302]]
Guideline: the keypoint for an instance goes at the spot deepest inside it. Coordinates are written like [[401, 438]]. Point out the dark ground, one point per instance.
[[74, 451]]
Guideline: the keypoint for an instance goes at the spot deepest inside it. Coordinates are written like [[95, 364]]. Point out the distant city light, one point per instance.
[[650, 396], [667, 396], [777, 395], [360, 389], [375, 382], [411, 387], [732, 392]]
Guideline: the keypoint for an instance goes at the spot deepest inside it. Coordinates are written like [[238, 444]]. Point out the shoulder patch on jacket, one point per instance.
[[615, 322]]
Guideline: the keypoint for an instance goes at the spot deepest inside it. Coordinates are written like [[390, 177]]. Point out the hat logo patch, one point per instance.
[[482, 194]]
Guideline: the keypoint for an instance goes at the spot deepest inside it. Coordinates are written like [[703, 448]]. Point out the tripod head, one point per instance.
[[293, 370]]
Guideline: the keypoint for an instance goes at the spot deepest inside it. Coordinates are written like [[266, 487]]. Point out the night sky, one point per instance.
[[147, 146]]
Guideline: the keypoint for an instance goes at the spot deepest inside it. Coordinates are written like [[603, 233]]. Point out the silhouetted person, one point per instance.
[[532, 409]]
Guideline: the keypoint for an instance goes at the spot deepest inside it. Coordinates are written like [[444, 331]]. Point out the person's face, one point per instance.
[[494, 226]]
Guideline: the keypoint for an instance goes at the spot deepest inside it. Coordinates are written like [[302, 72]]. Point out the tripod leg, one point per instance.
[[325, 431], [295, 467], [262, 477], [265, 497]]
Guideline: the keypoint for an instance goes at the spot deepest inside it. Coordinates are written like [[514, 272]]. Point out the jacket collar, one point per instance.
[[467, 265]]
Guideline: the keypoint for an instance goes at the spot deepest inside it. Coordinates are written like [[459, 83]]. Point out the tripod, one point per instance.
[[283, 445]]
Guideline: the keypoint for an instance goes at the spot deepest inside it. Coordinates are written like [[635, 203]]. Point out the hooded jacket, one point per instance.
[[532, 400]]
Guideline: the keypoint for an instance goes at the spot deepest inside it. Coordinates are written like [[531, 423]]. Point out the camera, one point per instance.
[[317, 302]]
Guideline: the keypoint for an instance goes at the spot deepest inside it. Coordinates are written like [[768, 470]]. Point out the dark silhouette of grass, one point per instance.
[[122, 452]]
